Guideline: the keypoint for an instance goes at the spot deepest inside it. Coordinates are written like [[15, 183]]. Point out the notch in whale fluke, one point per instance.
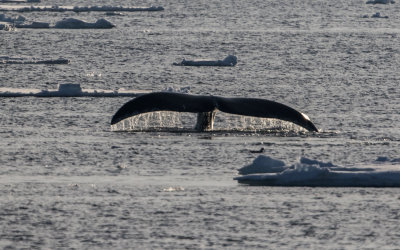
[[206, 107]]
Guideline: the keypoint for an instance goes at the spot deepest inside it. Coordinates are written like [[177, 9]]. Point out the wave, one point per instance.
[[68, 90], [265, 171]]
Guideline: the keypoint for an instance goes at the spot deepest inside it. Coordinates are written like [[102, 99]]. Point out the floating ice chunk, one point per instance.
[[308, 161], [380, 1], [230, 60], [308, 172], [72, 23], [263, 164]]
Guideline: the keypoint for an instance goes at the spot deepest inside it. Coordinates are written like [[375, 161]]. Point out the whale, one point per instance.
[[207, 106]]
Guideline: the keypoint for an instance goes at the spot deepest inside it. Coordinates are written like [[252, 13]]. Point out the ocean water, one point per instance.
[[68, 181]]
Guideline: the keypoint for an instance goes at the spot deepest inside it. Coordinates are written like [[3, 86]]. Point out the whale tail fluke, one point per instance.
[[206, 107]]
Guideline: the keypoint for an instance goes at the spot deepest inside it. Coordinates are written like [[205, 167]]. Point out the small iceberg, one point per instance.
[[313, 173], [56, 8], [72, 23], [67, 23], [69, 90], [229, 61], [263, 164], [380, 2]]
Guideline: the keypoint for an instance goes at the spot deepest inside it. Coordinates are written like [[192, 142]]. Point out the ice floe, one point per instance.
[[230, 60], [19, 60], [265, 171], [68, 90], [57, 8], [66, 23], [263, 164]]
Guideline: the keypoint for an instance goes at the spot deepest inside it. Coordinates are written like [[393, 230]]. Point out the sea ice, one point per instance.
[[67, 23], [263, 164], [308, 172], [230, 60]]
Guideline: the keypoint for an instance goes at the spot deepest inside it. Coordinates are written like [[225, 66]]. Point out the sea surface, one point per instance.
[[67, 180]]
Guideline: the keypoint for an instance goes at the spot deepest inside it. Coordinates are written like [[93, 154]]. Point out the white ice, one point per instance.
[[68, 90], [263, 164], [230, 60], [384, 172]]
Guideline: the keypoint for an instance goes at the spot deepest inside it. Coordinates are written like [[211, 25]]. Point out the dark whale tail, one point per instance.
[[206, 107]]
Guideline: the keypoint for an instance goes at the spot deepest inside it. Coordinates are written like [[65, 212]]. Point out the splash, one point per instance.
[[181, 121]]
